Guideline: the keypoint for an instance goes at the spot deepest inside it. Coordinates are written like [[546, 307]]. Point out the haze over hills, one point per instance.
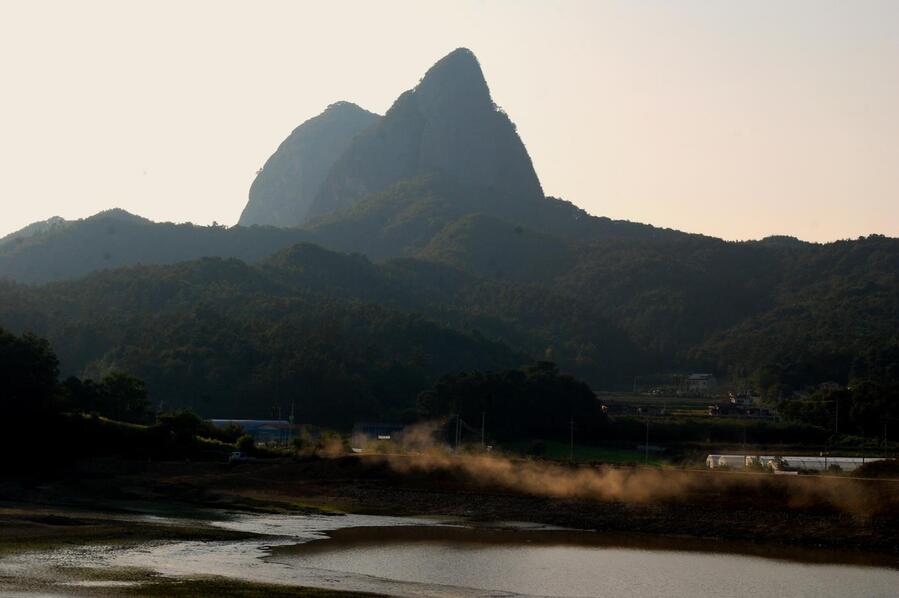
[[382, 186], [288, 183], [115, 238], [33, 229], [449, 125], [457, 242]]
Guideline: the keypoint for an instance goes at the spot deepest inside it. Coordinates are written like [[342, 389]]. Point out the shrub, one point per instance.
[[246, 444], [536, 448]]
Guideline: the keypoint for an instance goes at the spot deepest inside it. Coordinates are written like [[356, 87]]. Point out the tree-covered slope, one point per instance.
[[35, 228], [831, 305], [228, 339], [622, 309], [115, 239], [491, 247], [404, 219]]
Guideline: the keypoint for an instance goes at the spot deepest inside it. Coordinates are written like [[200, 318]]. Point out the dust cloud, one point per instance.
[[416, 453]]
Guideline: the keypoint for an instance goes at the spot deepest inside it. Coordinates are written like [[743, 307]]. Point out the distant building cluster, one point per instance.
[[741, 405], [788, 463], [263, 431]]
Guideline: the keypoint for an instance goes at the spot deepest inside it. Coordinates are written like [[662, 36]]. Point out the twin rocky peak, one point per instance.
[[447, 125]]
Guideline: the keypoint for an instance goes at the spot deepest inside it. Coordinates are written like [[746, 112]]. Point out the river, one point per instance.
[[418, 557]]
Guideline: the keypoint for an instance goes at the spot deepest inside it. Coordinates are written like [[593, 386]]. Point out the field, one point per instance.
[[560, 451], [677, 406]]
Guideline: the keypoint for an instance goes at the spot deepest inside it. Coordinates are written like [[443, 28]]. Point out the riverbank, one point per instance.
[[811, 512], [235, 553], [122, 506], [112, 527]]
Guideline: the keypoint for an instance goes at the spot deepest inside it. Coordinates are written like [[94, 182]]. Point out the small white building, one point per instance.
[[806, 463], [788, 462], [725, 461]]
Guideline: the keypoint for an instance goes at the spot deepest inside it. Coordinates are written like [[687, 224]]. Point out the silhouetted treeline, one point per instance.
[[51, 423], [535, 401]]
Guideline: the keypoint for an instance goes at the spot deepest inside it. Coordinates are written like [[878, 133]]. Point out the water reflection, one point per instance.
[[555, 563], [421, 557]]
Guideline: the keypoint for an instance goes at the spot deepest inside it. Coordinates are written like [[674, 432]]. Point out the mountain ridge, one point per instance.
[[285, 187]]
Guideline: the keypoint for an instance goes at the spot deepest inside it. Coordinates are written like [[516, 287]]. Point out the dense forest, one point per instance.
[[336, 333], [114, 416]]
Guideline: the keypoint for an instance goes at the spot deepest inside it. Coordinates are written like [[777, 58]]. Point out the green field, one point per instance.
[[584, 453]]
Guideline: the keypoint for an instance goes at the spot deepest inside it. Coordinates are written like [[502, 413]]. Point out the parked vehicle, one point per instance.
[[238, 457]]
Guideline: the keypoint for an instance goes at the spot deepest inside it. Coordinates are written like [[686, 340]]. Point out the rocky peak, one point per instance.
[[285, 187], [447, 124], [455, 84]]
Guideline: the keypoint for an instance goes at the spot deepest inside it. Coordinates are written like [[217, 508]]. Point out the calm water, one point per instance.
[[409, 557], [528, 563]]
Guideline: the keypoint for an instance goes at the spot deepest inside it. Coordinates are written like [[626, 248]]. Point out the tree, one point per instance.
[[125, 398], [246, 444], [536, 401], [28, 376]]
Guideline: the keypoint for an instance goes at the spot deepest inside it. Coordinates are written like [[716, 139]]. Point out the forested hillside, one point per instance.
[[225, 336], [115, 238], [227, 339]]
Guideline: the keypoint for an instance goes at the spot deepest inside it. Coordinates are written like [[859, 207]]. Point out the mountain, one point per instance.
[[285, 187], [447, 124], [404, 185], [402, 220], [33, 229], [116, 238], [430, 231], [409, 219]]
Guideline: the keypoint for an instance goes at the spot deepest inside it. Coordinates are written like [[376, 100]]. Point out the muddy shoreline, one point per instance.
[[758, 509], [762, 509], [105, 502]]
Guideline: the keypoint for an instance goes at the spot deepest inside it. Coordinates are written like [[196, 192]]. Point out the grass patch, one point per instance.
[[561, 451]]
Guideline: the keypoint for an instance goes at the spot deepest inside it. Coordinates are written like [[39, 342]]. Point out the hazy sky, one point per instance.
[[735, 119]]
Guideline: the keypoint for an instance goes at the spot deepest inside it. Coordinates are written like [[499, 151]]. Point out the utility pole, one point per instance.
[[836, 418], [290, 429], [483, 428], [458, 430], [571, 445], [646, 445]]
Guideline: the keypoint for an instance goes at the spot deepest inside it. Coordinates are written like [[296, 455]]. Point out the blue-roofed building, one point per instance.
[[263, 431]]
